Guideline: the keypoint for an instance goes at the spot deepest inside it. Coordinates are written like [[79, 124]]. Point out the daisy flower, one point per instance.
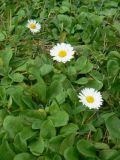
[[62, 52], [91, 98], [34, 26]]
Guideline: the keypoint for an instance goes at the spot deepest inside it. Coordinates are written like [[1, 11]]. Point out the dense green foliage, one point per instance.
[[41, 117]]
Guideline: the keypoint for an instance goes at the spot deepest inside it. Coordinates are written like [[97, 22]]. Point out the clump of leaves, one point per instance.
[[41, 117]]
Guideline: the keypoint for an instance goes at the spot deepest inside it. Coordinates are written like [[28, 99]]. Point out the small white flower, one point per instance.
[[34, 26], [91, 98], [62, 52]]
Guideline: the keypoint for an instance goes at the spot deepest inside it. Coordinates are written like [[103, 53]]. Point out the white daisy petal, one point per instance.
[[91, 98], [33, 26], [62, 52]]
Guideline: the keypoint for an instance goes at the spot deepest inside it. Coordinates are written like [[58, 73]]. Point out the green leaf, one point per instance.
[[63, 22], [114, 54], [80, 63], [1, 62], [94, 84], [95, 19], [108, 115], [72, 95], [55, 142], [39, 89], [3, 113], [113, 127], [35, 114], [28, 101], [71, 71], [59, 77], [23, 156], [86, 148], [112, 67], [57, 157], [60, 98], [54, 108], [16, 77], [99, 145], [20, 143], [68, 129], [47, 129], [64, 9], [16, 92], [2, 36], [82, 81], [12, 125], [37, 124], [6, 152], [71, 153], [116, 25], [6, 56], [27, 133], [87, 68], [37, 147], [59, 119], [96, 75], [111, 4], [45, 69], [54, 89], [98, 135], [68, 141], [108, 12], [108, 154], [116, 157]]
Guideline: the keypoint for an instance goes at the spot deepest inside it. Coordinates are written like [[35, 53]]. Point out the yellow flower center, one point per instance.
[[62, 53], [32, 25], [90, 99]]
